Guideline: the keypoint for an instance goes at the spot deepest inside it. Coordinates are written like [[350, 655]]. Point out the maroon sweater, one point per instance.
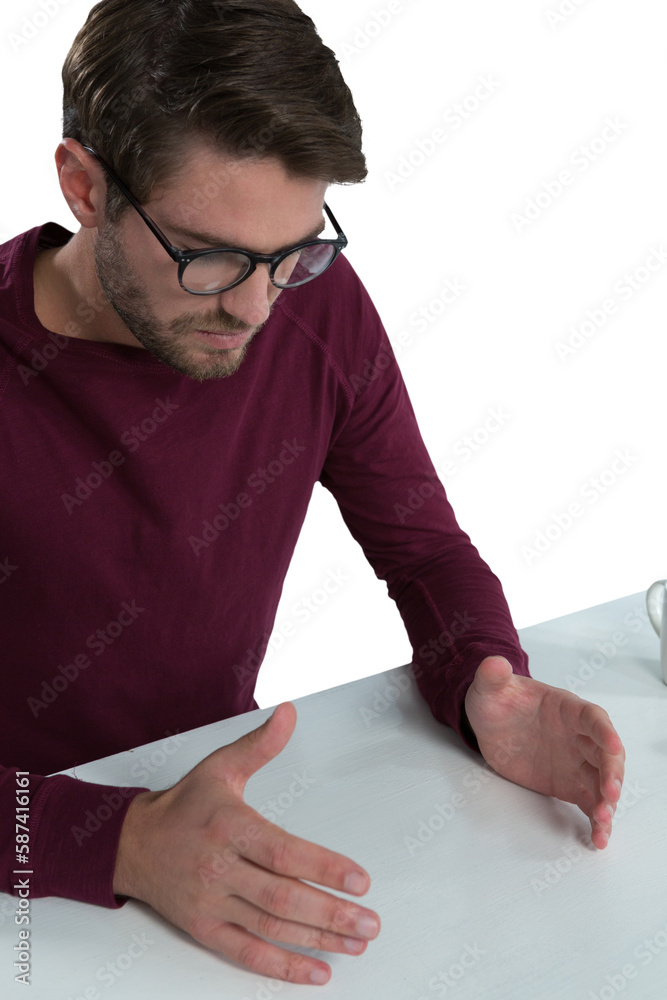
[[146, 526]]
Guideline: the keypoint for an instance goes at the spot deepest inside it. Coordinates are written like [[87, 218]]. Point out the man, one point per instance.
[[176, 377]]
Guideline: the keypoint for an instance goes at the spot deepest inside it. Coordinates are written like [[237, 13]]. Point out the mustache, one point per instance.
[[231, 328]]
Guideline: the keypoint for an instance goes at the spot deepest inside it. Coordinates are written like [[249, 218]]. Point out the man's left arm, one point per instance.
[[467, 659]]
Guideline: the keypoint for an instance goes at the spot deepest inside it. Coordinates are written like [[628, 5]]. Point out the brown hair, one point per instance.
[[252, 78]]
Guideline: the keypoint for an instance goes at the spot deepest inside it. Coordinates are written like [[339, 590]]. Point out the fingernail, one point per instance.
[[367, 927], [618, 784], [355, 882], [319, 977], [354, 945]]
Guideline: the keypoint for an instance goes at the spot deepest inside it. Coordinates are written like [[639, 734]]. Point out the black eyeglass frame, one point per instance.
[[184, 257]]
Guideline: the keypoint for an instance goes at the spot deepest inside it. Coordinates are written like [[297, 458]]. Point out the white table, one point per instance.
[[504, 899]]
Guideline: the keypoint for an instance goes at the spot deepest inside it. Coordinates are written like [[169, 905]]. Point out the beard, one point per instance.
[[171, 343]]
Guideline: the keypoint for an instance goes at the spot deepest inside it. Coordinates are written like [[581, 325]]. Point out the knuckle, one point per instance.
[[277, 897], [317, 939], [278, 853], [199, 928], [269, 925], [250, 956], [341, 916], [294, 971]]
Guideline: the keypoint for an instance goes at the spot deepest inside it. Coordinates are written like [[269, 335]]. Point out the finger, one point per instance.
[[591, 720], [293, 900], [240, 911], [593, 805], [263, 958], [236, 762], [611, 768], [285, 854]]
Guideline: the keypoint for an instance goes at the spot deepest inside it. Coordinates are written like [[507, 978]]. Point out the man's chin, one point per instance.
[[205, 363]]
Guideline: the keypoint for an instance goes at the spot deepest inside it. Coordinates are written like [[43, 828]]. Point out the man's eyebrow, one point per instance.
[[205, 240]]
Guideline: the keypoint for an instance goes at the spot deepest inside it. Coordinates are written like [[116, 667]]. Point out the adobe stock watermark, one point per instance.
[[581, 159], [258, 482], [555, 870], [445, 641], [88, 310], [383, 698], [444, 812], [366, 33], [644, 953], [153, 761], [98, 642], [276, 807], [132, 439], [591, 491], [426, 315], [92, 821], [421, 318], [562, 12], [590, 667], [31, 25], [475, 440], [303, 610], [201, 196], [218, 864], [7, 570], [116, 119], [453, 118], [625, 289], [109, 973], [42, 356], [415, 499], [444, 981], [561, 866]]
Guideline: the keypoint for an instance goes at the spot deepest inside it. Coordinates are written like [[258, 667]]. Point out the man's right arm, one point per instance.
[[199, 856], [73, 830]]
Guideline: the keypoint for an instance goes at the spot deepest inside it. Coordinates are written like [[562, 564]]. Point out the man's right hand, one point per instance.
[[215, 867]]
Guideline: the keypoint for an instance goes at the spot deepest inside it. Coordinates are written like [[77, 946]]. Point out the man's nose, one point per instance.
[[251, 301]]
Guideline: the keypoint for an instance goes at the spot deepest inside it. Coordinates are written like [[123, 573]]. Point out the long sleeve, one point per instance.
[[98, 654], [379, 471], [74, 829]]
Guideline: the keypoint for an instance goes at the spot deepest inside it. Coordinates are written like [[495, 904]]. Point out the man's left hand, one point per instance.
[[549, 740]]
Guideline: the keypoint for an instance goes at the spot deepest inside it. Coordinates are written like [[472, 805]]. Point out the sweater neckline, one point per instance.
[[47, 237]]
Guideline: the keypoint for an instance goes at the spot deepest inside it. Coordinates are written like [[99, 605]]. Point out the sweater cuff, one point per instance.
[[75, 829], [458, 674]]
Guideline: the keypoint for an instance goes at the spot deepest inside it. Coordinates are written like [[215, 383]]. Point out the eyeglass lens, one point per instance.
[[216, 271]]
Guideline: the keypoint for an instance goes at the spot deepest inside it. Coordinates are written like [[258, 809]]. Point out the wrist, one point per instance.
[[124, 881]]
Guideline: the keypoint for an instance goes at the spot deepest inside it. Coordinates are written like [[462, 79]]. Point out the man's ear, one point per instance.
[[82, 183]]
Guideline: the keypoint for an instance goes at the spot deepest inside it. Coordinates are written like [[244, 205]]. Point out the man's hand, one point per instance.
[[219, 870], [549, 740]]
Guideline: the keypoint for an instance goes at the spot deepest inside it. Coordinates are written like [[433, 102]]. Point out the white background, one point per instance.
[[556, 80]]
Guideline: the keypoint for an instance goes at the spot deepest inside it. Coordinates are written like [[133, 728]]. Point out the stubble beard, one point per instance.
[[130, 300]]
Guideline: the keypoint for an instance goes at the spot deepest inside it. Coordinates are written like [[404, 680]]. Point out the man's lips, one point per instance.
[[227, 341]]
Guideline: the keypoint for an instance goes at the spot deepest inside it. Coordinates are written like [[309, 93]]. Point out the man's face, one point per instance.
[[247, 204]]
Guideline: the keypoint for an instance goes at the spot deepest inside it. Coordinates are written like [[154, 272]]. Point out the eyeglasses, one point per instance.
[[208, 272]]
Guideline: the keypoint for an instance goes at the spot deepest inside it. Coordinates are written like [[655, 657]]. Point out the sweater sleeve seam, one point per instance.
[[323, 348]]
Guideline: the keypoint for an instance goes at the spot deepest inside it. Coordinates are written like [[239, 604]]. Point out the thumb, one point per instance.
[[239, 760], [492, 674]]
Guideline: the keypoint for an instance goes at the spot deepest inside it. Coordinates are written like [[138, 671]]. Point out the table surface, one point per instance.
[[484, 889]]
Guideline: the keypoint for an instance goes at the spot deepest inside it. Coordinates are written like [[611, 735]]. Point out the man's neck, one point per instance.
[[58, 296], [48, 308]]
